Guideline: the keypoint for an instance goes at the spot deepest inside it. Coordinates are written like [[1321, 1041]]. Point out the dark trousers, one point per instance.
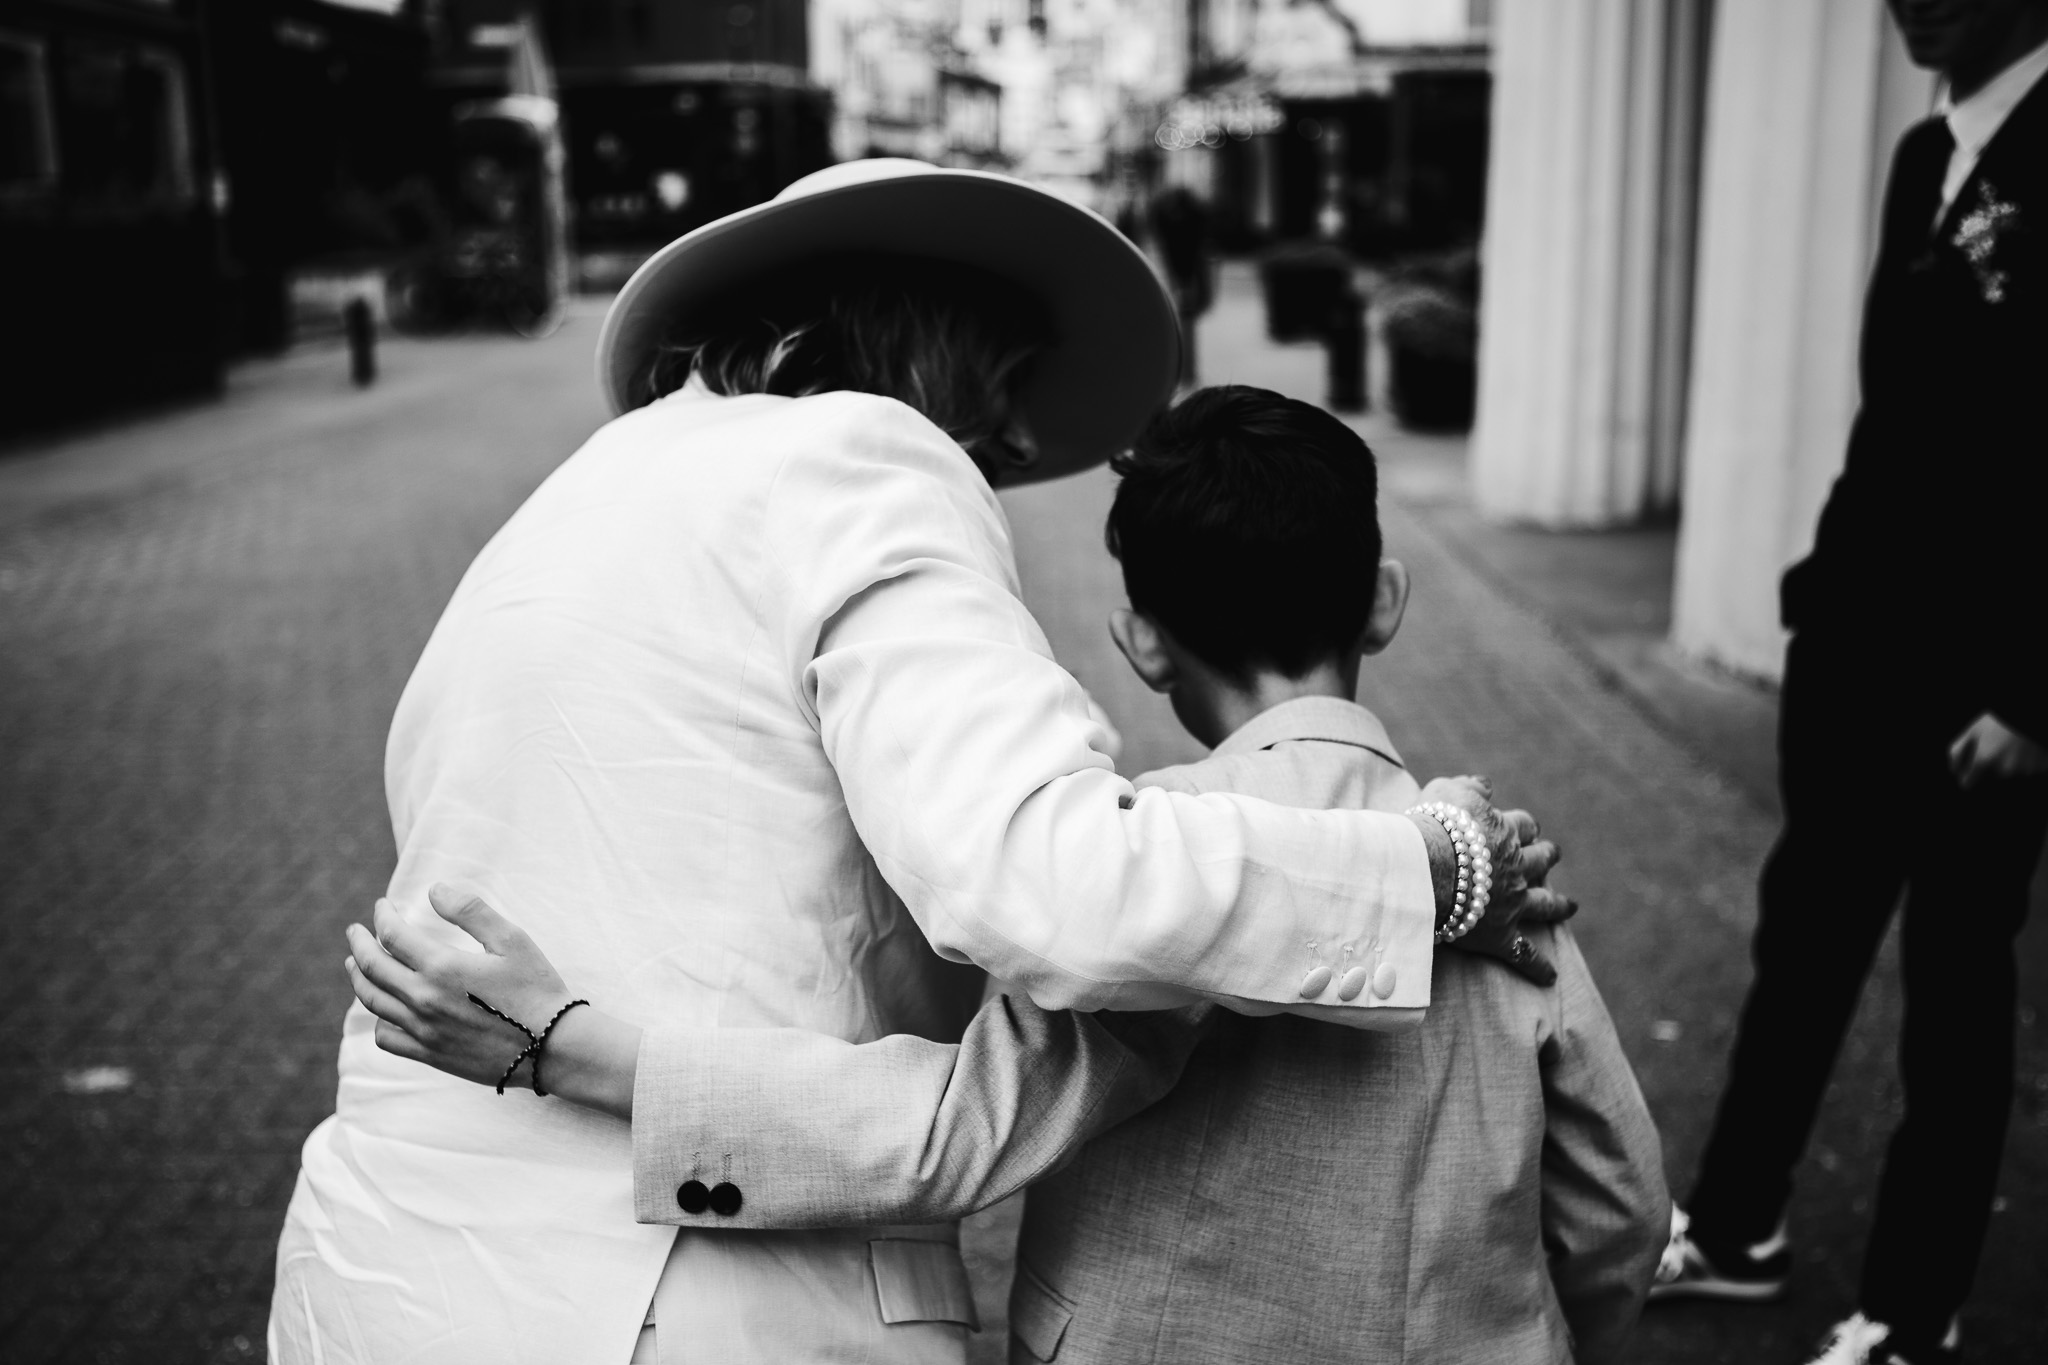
[[1870, 811]]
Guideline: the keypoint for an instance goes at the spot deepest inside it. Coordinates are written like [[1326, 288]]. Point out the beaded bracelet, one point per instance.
[[534, 1041], [1475, 868]]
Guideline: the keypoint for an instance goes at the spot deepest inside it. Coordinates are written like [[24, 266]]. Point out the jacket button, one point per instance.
[[1384, 980], [692, 1197], [725, 1199], [1314, 983], [1352, 984]]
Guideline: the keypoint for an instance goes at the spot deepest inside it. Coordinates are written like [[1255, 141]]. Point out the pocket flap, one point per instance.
[[922, 1282], [1038, 1315]]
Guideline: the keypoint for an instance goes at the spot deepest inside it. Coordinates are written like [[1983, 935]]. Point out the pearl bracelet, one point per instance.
[[1475, 868]]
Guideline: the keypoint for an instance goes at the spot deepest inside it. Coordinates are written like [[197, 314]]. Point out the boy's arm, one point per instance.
[[1606, 1209], [816, 1132]]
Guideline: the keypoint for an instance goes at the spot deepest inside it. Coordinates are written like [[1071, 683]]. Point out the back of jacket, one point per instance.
[[1486, 1188]]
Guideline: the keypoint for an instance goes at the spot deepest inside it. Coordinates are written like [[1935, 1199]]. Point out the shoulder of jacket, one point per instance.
[[870, 430], [852, 411], [1198, 778]]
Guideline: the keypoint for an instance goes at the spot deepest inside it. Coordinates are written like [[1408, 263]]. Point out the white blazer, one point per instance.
[[741, 716]]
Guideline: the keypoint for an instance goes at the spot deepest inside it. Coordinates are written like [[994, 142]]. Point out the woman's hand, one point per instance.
[[1521, 862], [420, 990]]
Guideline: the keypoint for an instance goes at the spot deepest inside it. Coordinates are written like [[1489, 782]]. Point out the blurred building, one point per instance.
[[107, 221], [902, 84], [1361, 122], [164, 166], [327, 146], [1684, 208], [674, 112], [1047, 89]]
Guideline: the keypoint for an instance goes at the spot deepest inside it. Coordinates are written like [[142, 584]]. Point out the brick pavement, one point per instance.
[[205, 620]]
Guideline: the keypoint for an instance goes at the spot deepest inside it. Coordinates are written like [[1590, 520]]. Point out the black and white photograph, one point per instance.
[[1023, 682]]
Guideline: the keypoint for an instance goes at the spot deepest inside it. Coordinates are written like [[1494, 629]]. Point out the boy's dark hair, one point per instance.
[[1248, 526]]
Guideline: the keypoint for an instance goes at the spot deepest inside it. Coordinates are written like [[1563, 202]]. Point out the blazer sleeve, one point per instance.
[[977, 781], [816, 1132], [1606, 1209]]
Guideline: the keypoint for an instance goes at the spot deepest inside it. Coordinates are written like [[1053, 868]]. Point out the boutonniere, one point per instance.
[[1978, 233]]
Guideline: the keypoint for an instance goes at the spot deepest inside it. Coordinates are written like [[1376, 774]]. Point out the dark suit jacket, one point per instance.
[[1929, 550]]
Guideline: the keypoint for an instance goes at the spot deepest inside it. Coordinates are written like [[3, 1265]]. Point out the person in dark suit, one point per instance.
[[1910, 671], [1181, 234]]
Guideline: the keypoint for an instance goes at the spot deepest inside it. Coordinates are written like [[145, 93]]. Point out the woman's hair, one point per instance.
[[951, 341]]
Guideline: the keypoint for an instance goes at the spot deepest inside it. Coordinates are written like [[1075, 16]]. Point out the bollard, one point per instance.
[[362, 343], [1344, 347]]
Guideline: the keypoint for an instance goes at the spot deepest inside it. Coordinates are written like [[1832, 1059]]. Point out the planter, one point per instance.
[[1432, 340], [1301, 283]]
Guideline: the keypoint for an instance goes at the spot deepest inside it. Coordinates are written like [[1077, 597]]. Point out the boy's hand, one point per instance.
[[1991, 750], [420, 990], [1521, 863]]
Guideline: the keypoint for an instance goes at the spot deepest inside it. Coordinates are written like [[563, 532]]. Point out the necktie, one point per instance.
[[1931, 168]]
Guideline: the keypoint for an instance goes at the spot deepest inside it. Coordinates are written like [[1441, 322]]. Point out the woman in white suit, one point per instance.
[[742, 720]]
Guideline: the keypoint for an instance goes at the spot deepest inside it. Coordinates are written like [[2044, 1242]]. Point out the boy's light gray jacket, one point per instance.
[[1486, 1188]]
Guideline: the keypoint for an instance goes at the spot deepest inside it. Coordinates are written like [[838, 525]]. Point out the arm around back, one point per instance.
[[816, 1132], [1606, 1208], [970, 766]]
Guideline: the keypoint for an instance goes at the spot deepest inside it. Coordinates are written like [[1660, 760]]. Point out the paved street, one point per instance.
[[205, 620]]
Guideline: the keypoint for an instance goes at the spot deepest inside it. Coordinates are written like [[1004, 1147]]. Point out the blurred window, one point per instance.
[[28, 149], [126, 137]]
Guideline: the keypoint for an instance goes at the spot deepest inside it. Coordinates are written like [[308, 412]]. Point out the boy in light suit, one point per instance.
[[1488, 1187]]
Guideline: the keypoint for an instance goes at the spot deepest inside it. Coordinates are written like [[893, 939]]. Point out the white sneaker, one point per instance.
[[1853, 1342], [1752, 1274]]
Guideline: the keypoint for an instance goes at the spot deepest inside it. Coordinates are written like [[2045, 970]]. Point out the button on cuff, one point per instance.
[[1353, 983]]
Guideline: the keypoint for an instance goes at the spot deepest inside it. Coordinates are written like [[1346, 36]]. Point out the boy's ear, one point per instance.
[[1389, 604], [1144, 648]]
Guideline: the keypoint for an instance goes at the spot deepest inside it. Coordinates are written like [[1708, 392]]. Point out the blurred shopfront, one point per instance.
[[107, 224], [1382, 155], [672, 114], [164, 164]]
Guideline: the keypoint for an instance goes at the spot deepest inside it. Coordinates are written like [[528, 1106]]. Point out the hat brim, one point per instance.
[[1116, 351]]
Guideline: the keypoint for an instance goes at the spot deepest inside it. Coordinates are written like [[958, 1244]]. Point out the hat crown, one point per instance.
[[862, 172], [1117, 341]]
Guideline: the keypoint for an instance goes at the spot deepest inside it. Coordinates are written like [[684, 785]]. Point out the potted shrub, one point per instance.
[[1301, 282], [1428, 320]]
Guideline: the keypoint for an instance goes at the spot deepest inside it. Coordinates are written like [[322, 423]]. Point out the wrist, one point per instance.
[[591, 1059], [1472, 871], [1443, 865]]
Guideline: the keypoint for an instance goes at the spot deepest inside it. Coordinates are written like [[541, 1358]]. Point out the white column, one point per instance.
[[1587, 259], [1806, 103]]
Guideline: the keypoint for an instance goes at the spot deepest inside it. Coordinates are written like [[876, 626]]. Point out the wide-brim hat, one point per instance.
[[1115, 352]]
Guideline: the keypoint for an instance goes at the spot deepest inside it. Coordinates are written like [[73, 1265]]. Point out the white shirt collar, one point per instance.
[[1973, 122]]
